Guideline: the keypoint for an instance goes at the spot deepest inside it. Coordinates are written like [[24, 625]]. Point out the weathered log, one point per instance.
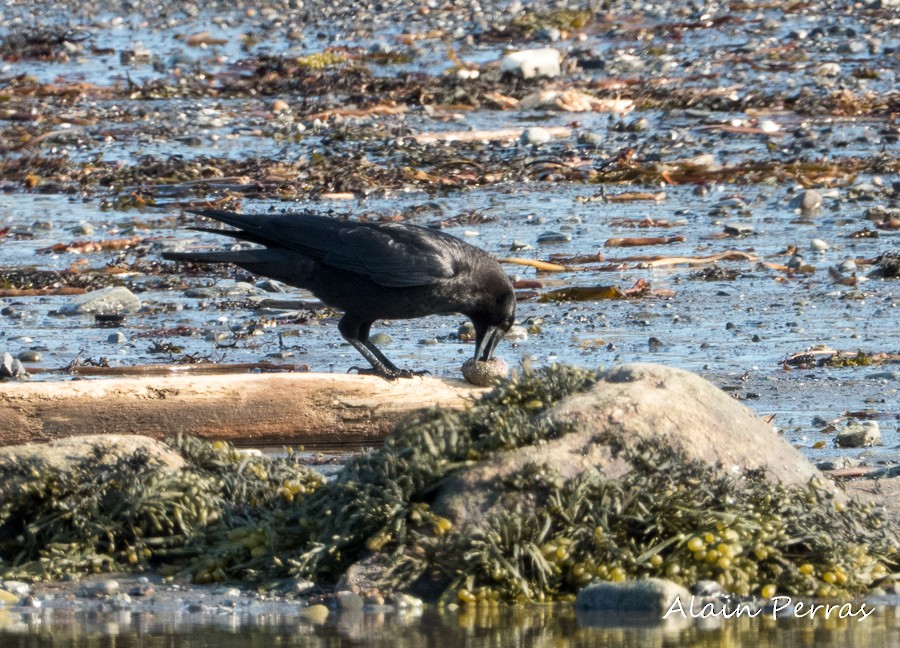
[[310, 409]]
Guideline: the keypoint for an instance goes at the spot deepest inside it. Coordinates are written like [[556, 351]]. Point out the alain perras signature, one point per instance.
[[781, 607]]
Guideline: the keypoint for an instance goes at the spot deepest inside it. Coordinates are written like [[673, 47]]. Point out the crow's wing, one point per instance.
[[395, 255]]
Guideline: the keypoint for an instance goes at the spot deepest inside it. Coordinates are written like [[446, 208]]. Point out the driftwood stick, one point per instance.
[[310, 409]]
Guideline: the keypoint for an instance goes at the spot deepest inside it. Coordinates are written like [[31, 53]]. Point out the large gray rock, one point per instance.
[[653, 595], [629, 404], [115, 299]]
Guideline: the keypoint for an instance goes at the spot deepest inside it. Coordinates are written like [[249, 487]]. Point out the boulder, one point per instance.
[[630, 404], [653, 595]]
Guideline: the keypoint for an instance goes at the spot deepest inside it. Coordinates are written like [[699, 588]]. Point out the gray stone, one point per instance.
[[115, 299], [635, 403], [483, 373], [818, 245], [553, 237], [535, 135], [116, 338], [655, 595], [6, 365], [807, 201], [98, 589], [29, 356], [347, 600], [738, 229], [380, 339], [201, 293], [859, 434]]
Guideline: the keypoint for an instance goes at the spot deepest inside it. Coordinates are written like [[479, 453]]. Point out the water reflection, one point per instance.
[[550, 625]]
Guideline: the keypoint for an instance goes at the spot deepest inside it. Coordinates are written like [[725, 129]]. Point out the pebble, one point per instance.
[[315, 613], [828, 70], [483, 373], [553, 237], [738, 229], [29, 356], [818, 245], [807, 202], [83, 229], [380, 339], [347, 600], [532, 63], [117, 338], [859, 434], [535, 136], [517, 245], [847, 266], [97, 589]]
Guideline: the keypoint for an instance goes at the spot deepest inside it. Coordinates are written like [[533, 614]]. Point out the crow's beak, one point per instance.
[[486, 344]]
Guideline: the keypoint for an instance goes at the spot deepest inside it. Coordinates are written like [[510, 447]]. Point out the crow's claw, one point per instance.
[[389, 374]]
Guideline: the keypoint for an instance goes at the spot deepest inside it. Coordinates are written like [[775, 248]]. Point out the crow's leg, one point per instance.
[[356, 332]]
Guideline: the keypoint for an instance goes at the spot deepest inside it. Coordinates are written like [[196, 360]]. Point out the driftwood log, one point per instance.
[[310, 409]]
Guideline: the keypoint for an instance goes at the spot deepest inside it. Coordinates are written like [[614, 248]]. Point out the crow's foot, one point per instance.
[[388, 374]]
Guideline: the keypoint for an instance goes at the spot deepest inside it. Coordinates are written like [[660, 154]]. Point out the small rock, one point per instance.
[[407, 602], [654, 595], [280, 105], [97, 589], [738, 229], [200, 293], [807, 202], [106, 300], [859, 434], [818, 245], [6, 365], [117, 338], [17, 587], [83, 229], [535, 135], [347, 600], [380, 339], [517, 245], [532, 63], [828, 70], [29, 356], [315, 613], [847, 266], [553, 237], [483, 373], [550, 34], [137, 56]]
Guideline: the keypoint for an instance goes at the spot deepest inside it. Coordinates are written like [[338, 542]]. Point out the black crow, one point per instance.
[[372, 271]]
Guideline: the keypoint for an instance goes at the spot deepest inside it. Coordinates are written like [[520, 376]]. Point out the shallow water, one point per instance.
[[548, 625]]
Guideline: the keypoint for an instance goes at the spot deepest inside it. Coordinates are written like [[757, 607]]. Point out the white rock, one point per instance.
[[535, 135], [532, 63], [828, 69]]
